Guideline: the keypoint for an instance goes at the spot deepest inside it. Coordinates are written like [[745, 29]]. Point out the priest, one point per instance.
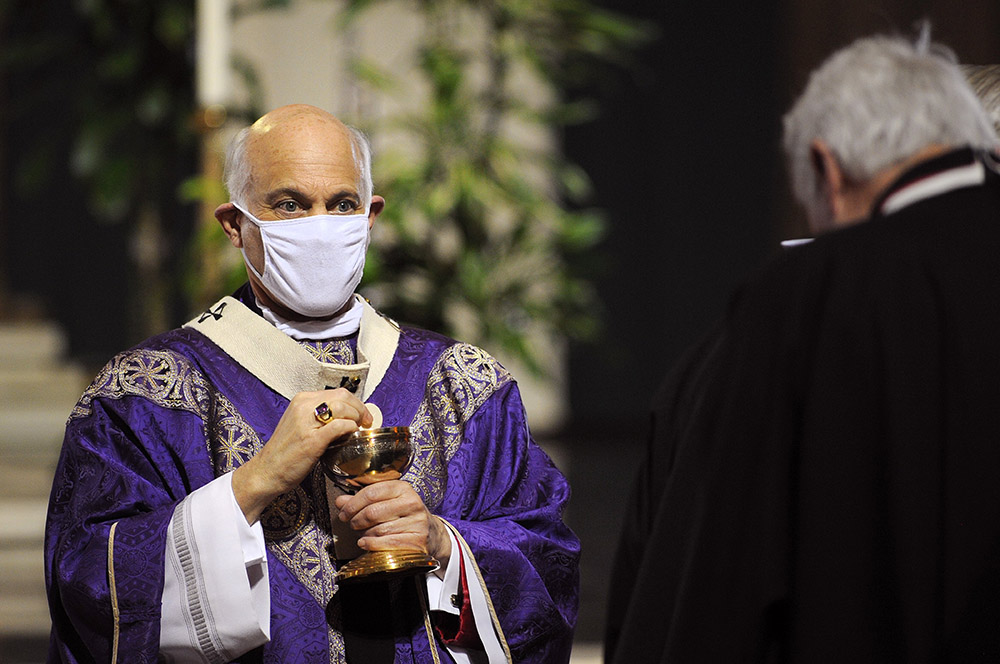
[[820, 483], [189, 519]]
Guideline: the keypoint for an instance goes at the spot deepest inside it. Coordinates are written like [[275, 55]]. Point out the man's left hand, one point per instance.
[[392, 516]]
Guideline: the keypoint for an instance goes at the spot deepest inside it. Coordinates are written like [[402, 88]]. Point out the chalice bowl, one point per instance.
[[352, 463]]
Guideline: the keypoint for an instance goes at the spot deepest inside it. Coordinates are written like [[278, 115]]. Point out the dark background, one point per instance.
[[685, 159]]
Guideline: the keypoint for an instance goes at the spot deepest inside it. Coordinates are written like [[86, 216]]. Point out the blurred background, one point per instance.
[[575, 185]]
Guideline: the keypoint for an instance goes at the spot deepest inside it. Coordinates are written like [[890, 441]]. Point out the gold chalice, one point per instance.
[[352, 463]]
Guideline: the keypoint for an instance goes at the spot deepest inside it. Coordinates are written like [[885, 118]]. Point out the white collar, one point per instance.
[[343, 325], [967, 175]]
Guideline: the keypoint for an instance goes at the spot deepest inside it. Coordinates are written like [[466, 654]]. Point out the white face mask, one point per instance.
[[312, 264]]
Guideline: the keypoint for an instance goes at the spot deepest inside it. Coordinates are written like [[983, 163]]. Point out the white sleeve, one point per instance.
[[441, 589], [216, 602], [440, 594]]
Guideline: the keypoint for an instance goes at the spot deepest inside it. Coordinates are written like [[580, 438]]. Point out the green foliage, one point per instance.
[[483, 218], [120, 74]]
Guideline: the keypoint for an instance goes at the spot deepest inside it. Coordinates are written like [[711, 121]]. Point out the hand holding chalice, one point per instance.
[[362, 458]]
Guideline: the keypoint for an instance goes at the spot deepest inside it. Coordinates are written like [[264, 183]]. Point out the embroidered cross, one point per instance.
[[217, 314]]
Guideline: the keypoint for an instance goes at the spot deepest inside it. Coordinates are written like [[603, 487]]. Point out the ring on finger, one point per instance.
[[323, 413]]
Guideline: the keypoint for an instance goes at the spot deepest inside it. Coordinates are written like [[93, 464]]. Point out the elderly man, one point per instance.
[[821, 479], [189, 517]]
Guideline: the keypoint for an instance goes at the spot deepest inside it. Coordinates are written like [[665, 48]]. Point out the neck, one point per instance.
[[857, 198], [345, 323]]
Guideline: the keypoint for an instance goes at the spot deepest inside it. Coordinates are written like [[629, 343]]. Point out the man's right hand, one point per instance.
[[295, 446]]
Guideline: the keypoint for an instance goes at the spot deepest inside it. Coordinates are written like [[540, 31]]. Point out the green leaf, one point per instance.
[[368, 72], [199, 188], [581, 230]]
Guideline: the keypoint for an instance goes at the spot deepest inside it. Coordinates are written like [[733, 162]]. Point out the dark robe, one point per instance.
[[822, 474]]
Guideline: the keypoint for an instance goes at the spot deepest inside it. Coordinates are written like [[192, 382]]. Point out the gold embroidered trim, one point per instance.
[[113, 591], [472, 374], [286, 514], [460, 382], [232, 441], [338, 351], [164, 377]]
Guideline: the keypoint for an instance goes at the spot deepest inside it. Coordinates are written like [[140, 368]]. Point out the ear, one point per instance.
[[829, 174], [378, 204], [230, 218]]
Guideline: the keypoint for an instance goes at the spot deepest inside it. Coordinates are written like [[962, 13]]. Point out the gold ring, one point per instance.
[[323, 413]]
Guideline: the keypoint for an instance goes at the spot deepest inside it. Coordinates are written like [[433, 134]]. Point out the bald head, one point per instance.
[[292, 113], [295, 162], [296, 135]]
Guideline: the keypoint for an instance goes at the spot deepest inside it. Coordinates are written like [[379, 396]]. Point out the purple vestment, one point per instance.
[[173, 413]]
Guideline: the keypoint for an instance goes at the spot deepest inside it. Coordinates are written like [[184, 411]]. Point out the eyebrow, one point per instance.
[[273, 196]]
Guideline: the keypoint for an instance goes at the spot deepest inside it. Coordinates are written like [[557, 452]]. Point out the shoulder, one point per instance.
[[882, 251], [852, 258], [452, 356], [463, 370], [164, 369]]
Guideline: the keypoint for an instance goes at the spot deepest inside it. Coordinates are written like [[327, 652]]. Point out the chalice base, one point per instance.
[[381, 565]]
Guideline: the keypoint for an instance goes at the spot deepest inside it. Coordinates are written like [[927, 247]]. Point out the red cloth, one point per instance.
[[459, 631]]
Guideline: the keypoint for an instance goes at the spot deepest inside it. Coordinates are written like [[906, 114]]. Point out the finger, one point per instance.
[[321, 409], [325, 435], [367, 418], [351, 505], [341, 395], [395, 542], [306, 403], [410, 533], [387, 511], [413, 525], [325, 413]]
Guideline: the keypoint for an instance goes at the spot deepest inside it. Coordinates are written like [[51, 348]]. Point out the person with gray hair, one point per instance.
[[869, 113], [820, 479], [196, 515]]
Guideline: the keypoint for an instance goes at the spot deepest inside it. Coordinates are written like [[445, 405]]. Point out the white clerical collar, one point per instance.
[[343, 325], [967, 175]]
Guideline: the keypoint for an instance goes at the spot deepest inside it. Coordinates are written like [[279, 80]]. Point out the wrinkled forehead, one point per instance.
[[300, 145]]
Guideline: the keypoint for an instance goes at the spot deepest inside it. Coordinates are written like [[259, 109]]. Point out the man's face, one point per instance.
[[301, 165]]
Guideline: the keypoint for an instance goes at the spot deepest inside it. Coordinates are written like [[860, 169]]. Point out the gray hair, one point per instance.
[[875, 103], [985, 82], [238, 177]]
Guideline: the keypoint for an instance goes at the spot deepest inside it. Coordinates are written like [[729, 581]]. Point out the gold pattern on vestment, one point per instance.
[[461, 381], [286, 514], [337, 351], [232, 441], [163, 377], [291, 530]]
